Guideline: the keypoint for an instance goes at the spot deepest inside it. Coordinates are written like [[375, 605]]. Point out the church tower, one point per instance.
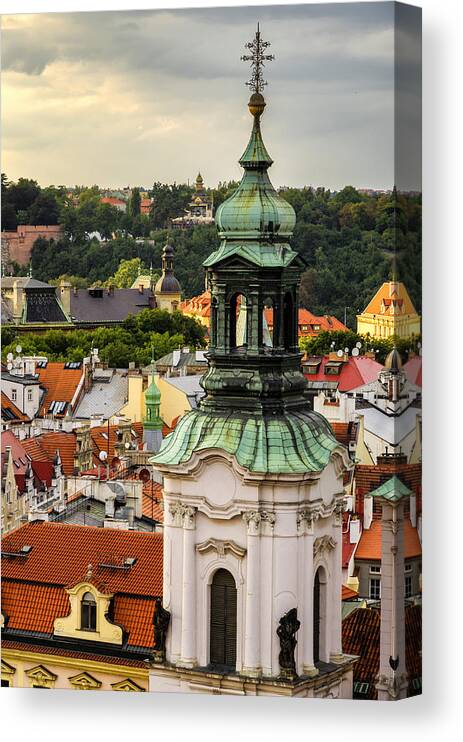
[[167, 290], [152, 422], [253, 479]]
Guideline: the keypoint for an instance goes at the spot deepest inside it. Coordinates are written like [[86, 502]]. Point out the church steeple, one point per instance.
[[152, 422], [252, 374]]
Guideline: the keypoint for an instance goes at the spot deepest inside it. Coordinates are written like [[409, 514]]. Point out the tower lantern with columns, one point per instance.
[[253, 479]]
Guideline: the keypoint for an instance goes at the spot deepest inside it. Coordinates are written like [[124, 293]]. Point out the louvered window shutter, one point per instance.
[[223, 620]]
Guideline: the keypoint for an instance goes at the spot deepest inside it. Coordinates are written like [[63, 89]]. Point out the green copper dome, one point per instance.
[[294, 444], [152, 393], [255, 210]]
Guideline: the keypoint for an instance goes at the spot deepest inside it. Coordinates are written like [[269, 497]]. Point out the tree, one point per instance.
[[23, 193], [135, 203], [44, 210], [126, 273]]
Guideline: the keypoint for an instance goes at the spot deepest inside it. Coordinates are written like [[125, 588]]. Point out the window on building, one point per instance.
[[361, 689], [375, 569], [375, 588], [29, 395], [223, 620], [88, 613], [5, 683], [14, 395], [408, 567], [408, 586]]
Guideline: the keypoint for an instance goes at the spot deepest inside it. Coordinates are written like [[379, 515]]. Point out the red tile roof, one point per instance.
[[347, 593], [33, 592], [7, 404], [413, 370], [104, 438], [44, 447], [152, 501], [62, 552], [361, 637], [60, 385], [307, 322], [9, 644], [369, 546], [353, 373], [18, 451], [347, 549]]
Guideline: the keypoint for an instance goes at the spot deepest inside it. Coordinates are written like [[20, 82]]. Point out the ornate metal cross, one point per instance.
[[257, 58]]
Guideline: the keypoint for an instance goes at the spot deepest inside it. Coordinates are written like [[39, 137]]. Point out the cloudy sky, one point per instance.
[[132, 97]]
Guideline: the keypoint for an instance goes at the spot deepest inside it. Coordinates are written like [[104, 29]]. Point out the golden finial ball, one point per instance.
[[256, 104]]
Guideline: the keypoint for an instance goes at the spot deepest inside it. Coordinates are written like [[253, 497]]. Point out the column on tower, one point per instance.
[[336, 654], [188, 646], [305, 527], [392, 680], [252, 660]]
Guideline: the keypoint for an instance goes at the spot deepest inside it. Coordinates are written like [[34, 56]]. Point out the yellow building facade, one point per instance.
[[390, 313]]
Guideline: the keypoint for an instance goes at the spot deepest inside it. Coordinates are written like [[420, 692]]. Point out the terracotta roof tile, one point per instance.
[[33, 587], [9, 408], [369, 546], [388, 295], [91, 656], [361, 636], [60, 385], [62, 552], [347, 593], [152, 501], [44, 447]]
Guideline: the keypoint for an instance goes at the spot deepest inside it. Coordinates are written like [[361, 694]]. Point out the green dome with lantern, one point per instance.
[[255, 210]]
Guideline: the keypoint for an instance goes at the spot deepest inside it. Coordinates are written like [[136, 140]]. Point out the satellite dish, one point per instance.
[[346, 350], [144, 475], [103, 455], [18, 349], [358, 344], [10, 357], [340, 353], [355, 352], [126, 445], [9, 365]]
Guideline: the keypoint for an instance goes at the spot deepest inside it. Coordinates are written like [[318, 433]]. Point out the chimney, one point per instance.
[[75, 290], [176, 357], [367, 511], [110, 290], [141, 289], [354, 530], [65, 295]]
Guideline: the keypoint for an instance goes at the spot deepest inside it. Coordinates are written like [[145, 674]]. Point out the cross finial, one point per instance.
[[257, 57]]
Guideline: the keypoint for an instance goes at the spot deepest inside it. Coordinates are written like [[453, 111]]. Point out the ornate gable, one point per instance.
[[127, 685], [85, 681], [41, 677]]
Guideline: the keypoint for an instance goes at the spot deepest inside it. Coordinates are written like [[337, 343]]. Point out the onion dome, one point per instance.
[[255, 211], [167, 284], [152, 393], [393, 361]]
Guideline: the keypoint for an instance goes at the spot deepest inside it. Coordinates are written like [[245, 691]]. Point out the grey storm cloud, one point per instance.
[[169, 85]]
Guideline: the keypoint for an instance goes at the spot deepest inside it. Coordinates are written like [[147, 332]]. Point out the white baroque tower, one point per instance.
[[253, 479]]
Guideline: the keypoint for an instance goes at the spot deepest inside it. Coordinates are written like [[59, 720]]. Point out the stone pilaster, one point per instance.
[[188, 645], [336, 654], [305, 519], [392, 679]]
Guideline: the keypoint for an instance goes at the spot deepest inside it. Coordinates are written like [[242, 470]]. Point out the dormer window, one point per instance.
[[88, 612]]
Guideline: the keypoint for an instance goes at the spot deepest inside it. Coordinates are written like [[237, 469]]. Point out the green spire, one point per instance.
[[255, 211], [152, 419]]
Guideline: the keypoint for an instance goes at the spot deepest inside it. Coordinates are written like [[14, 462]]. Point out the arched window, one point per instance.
[[319, 614], [223, 620], [238, 321], [88, 612], [288, 322], [268, 325]]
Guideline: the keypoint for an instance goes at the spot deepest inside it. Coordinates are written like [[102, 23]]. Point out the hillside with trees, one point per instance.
[[351, 241]]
